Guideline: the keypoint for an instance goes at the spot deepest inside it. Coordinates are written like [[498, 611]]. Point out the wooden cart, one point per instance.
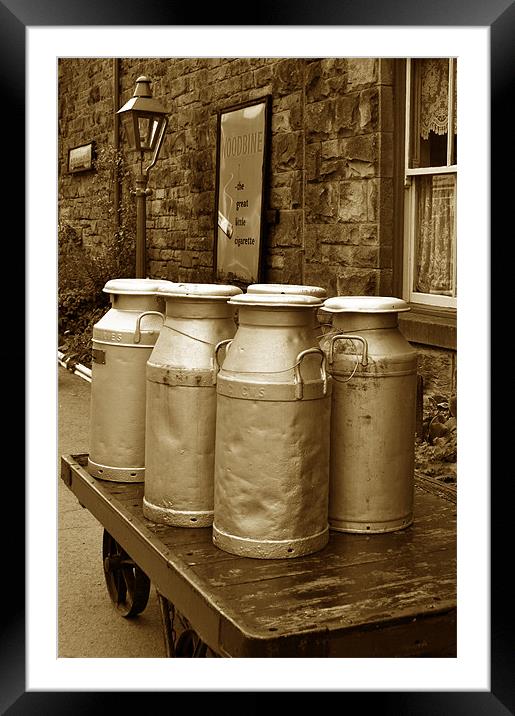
[[386, 595]]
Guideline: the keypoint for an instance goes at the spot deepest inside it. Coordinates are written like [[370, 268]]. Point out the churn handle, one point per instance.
[[227, 343], [348, 336], [299, 385], [137, 332]]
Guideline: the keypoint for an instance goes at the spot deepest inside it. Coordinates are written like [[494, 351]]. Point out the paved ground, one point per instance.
[[88, 625]]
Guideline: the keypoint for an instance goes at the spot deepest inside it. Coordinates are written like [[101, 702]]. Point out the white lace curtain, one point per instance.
[[434, 97], [435, 239], [436, 194]]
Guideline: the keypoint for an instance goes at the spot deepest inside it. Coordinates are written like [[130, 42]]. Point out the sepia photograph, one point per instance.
[[263, 268], [260, 296]]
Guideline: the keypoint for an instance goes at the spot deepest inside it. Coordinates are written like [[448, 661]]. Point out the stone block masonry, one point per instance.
[[85, 114], [329, 175]]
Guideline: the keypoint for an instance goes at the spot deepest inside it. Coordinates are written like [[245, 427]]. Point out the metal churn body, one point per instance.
[[272, 431], [123, 340], [374, 372], [181, 404]]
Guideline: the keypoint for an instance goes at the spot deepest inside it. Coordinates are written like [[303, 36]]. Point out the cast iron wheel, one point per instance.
[[190, 645], [128, 586]]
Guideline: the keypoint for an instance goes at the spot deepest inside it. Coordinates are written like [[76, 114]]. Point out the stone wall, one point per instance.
[[438, 367], [330, 185], [85, 114]]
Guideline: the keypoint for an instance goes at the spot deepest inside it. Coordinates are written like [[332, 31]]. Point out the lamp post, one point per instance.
[[145, 121]]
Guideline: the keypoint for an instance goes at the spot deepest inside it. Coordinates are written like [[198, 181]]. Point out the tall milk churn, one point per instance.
[[374, 372], [123, 340], [181, 404], [272, 431]]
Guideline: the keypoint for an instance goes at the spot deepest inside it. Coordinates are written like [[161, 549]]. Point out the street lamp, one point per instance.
[[145, 121]]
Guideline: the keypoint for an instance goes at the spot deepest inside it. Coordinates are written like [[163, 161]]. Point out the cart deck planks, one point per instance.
[[380, 595]]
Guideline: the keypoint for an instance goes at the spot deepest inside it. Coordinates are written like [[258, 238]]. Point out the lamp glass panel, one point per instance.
[[144, 130], [154, 131], [128, 126]]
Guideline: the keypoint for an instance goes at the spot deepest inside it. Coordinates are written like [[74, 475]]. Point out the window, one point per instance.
[[430, 176]]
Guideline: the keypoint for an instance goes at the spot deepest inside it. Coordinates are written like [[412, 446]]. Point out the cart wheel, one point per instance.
[[128, 586], [190, 645]]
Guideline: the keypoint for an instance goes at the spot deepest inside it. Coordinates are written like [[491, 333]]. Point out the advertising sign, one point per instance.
[[242, 152]]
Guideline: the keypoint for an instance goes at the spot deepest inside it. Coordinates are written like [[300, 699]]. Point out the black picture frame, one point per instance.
[[220, 272], [499, 16]]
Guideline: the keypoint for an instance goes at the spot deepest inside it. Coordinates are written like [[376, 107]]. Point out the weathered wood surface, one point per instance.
[[362, 595]]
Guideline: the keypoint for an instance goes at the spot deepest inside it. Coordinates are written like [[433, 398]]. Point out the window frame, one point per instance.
[[416, 298]]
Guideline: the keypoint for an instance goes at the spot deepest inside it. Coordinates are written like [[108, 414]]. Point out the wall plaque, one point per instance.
[[80, 159]]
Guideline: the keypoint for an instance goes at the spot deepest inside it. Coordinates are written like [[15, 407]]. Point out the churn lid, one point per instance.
[[276, 300], [210, 291], [365, 304], [286, 288], [135, 286]]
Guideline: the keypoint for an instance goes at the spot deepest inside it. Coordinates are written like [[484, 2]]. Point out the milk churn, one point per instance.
[[272, 431], [181, 404], [122, 342], [374, 372]]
